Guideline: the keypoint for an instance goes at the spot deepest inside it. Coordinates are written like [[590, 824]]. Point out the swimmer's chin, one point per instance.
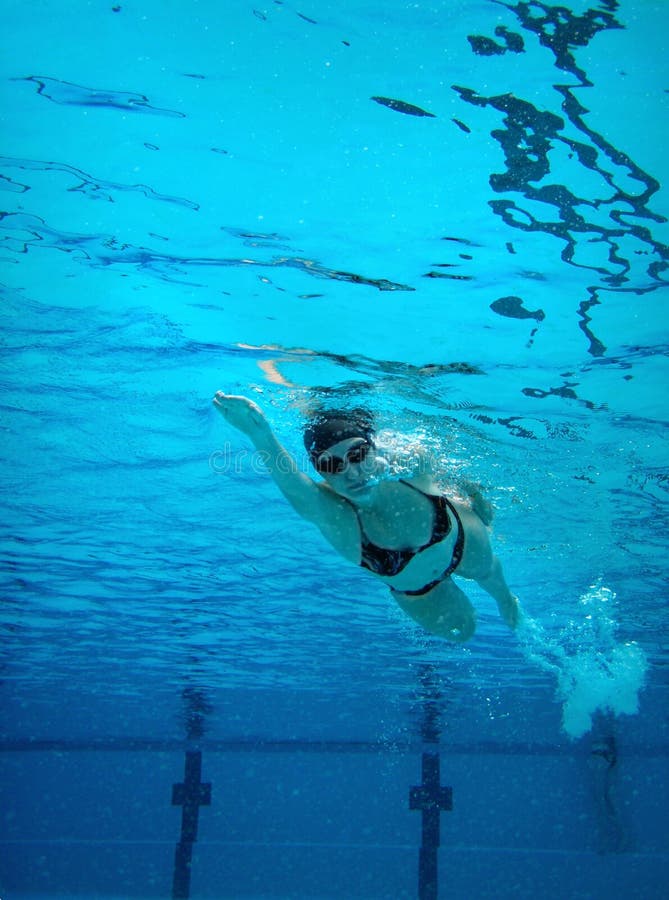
[[360, 492]]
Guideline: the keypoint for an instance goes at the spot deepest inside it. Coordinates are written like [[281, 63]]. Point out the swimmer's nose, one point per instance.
[[354, 473]]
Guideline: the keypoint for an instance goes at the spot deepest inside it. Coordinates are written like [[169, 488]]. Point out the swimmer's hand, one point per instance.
[[511, 611], [243, 414]]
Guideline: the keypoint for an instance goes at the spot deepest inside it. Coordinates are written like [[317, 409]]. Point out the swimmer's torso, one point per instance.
[[404, 535]]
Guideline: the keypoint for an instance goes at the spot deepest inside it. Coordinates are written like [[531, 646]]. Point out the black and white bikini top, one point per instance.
[[383, 561]]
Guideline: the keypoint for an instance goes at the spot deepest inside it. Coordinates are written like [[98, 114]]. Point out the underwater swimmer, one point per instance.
[[406, 532]]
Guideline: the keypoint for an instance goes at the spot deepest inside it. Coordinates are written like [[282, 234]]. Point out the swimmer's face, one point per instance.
[[348, 466]]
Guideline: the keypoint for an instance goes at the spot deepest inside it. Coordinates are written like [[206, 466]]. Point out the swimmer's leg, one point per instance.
[[445, 611]]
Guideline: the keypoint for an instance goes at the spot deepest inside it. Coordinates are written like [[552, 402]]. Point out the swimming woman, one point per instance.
[[406, 531]]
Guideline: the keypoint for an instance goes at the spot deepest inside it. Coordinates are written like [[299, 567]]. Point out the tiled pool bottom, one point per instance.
[[328, 820]]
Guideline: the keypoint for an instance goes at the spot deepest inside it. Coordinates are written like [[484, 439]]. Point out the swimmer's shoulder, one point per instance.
[[336, 519]]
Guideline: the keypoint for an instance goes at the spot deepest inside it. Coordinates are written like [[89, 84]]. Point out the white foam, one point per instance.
[[593, 671]]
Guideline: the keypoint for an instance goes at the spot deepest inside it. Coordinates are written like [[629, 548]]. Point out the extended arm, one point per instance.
[[301, 491], [316, 502]]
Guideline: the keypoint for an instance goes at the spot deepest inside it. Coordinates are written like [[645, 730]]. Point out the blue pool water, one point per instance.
[[453, 213]]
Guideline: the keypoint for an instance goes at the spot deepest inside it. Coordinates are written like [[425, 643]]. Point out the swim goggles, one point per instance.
[[335, 465]]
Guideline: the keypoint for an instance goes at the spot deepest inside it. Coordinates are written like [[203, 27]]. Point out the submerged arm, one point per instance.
[[480, 504]]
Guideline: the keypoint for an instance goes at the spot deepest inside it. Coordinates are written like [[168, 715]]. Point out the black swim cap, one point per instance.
[[330, 426]]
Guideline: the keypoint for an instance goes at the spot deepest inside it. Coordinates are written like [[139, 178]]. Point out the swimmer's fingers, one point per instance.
[[229, 402], [222, 399], [240, 412]]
